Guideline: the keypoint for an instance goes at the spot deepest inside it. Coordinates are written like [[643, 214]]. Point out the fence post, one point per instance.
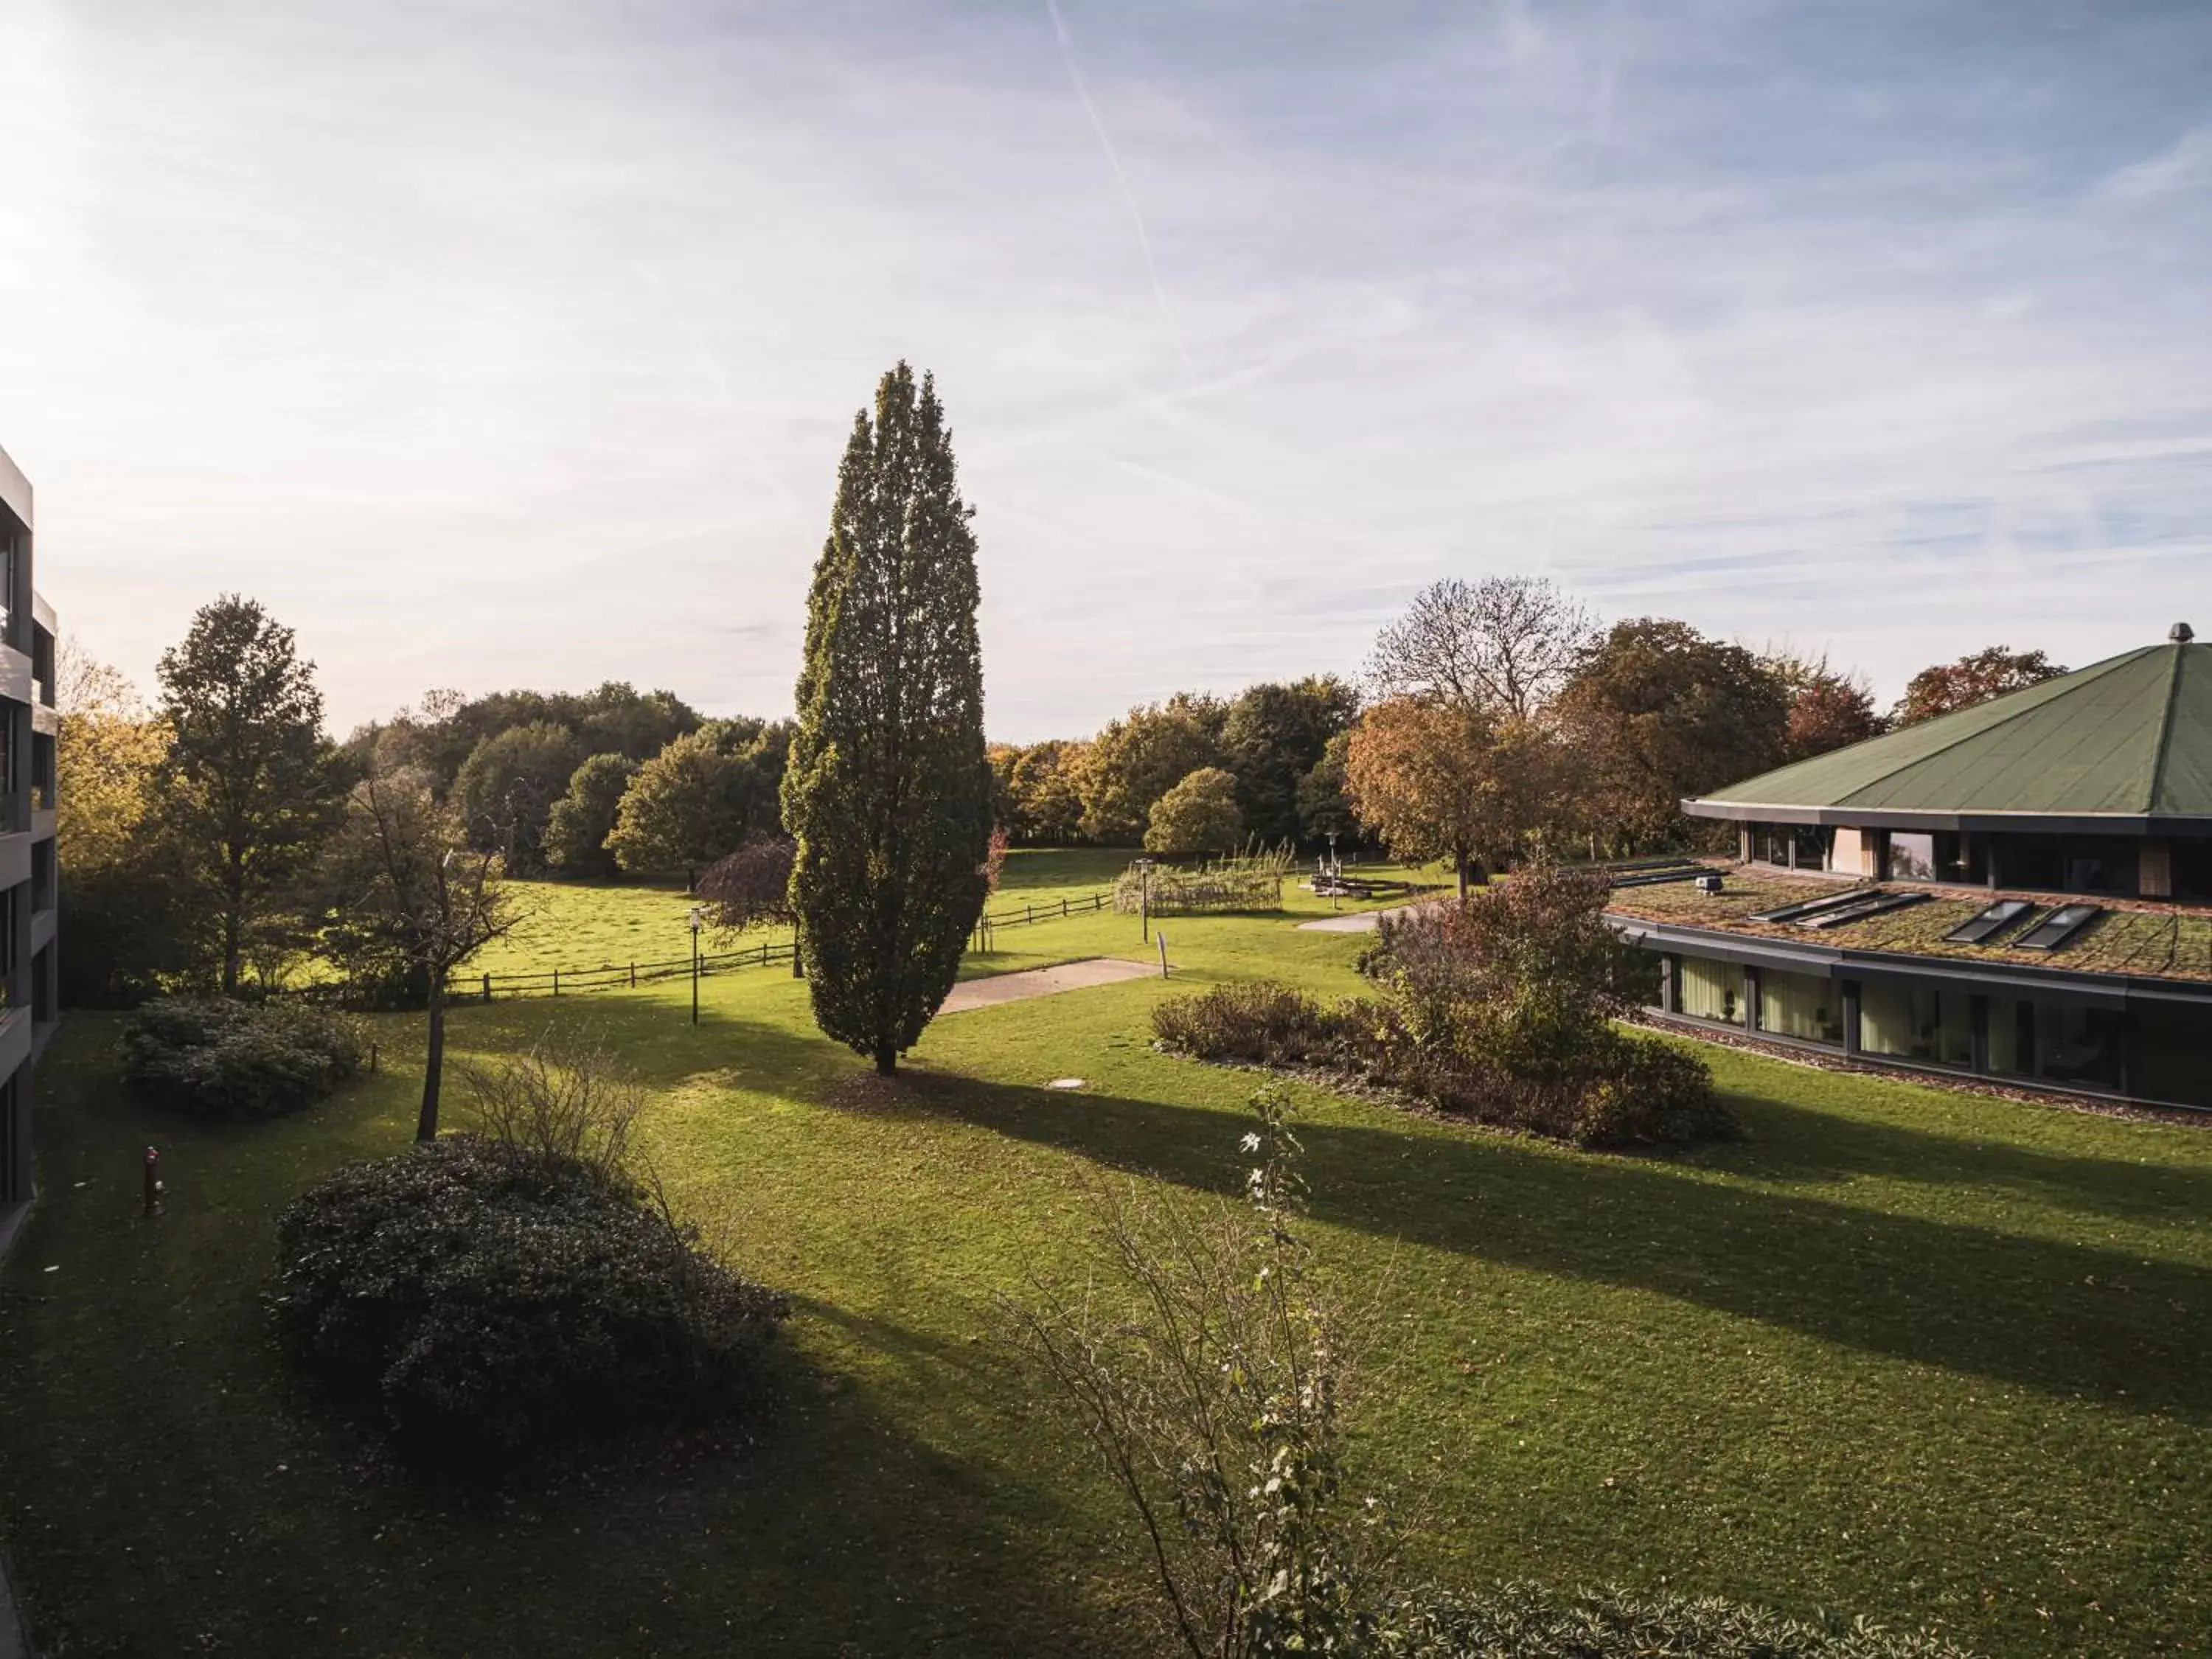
[[1063, 904], [556, 982], [487, 987], [633, 976]]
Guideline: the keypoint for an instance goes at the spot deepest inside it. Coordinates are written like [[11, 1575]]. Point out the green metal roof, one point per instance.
[[2127, 736]]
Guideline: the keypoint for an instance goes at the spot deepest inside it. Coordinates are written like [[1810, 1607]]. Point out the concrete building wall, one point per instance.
[[28, 878]]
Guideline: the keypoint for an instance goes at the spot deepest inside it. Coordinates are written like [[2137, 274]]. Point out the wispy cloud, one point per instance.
[[2186, 165], [512, 345], [1121, 177]]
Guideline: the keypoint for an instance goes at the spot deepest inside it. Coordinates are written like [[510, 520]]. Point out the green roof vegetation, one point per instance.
[[2146, 940], [2129, 736]]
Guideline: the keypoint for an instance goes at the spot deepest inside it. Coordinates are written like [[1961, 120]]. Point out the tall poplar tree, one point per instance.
[[889, 791]]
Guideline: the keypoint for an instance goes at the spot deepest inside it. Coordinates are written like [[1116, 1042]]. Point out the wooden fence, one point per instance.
[[610, 976]]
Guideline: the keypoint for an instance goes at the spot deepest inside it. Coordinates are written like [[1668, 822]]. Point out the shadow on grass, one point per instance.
[[166, 1488], [1793, 1143], [2070, 1320]]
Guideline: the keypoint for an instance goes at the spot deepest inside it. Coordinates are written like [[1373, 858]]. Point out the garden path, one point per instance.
[[1042, 982]]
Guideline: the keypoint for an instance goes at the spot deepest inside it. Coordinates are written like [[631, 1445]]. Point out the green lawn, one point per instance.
[[1901, 1352]]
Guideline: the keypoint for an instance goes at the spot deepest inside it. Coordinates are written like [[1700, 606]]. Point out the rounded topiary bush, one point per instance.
[[221, 1058], [485, 1300]]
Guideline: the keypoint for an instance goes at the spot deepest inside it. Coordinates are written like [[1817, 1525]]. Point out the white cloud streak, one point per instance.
[[517, 345], [1121, 177]]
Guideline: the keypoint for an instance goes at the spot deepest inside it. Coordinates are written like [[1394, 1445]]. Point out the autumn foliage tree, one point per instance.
[[1976, 678], [1045, 782], [1142, 755], [1439, 779], [1829, 710], [1657, 712], [889, 790], [121, 906]]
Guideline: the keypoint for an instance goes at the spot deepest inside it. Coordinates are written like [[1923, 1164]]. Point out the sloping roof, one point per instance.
[[2129, 737]]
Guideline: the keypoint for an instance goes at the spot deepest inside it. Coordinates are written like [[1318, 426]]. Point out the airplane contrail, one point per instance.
[[1121, 178]]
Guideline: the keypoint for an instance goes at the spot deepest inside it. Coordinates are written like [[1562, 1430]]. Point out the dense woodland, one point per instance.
[[202, 836]]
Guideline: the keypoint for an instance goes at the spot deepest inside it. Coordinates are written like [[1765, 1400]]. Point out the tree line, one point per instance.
[[213, 838], [1490, 714]]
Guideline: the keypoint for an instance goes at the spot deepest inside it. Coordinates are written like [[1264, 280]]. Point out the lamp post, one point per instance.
[[1145, 896], [1336, 876], [697, 912]]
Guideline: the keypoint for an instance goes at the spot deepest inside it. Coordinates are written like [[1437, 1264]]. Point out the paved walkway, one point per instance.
[[1038, 982], [1362, 921], [1351, 921]]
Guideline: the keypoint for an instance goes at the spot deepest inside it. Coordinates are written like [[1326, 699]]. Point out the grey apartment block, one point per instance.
[[28, 723]]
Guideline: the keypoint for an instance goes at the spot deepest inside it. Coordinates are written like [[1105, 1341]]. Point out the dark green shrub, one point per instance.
[[1265, 1023], [221, 1058], [1652, 1093], [1585, 1083], [1523, 1621], [485, 1300]]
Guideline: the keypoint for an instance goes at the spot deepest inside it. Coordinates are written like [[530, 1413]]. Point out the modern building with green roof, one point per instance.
[[2021, 890]]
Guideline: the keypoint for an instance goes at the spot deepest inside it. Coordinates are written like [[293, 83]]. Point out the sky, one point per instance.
[[514, 342]]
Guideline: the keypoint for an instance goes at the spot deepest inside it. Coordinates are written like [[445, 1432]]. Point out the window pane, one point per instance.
[[2056, 1040], [1712, 990], [2077, 1043], [2173, 1051], [1911, 857], [1800, 1005], [1916, 1022]]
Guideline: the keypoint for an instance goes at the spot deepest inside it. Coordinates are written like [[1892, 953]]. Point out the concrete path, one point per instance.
[[1363, 921], [1351, 921], [1042, 982]]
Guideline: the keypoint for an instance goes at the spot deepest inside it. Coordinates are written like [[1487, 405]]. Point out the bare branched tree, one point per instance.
[[1503, 645], [416, 898], [1211, 1371], [565, 1095]]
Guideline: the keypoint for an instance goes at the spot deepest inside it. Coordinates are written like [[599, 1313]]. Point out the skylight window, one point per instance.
[[1804, 908], [2059, 926], [1981, 928], [1874, 904]]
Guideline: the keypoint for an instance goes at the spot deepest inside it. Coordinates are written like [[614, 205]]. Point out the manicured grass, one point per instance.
[[1904, 1352], [588, 925]]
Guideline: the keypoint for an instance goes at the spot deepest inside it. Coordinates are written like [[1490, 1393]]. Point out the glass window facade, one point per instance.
[[1911, 856], [1710, 990], [1793, 846], [1917, 1022], [1801, 1005], [2173, 1055], [2067, 864], [2192, 858], [2056, 1039]]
